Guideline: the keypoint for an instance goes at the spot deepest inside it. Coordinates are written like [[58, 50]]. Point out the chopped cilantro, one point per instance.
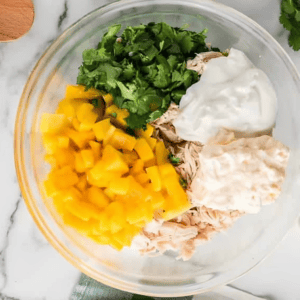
[[145, 69], [173, 159], [290, 19], [183, 182], [114, 115]]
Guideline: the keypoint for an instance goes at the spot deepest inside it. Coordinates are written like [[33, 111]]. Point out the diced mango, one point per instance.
[[161, 153], [50, 188], [167, 169], [53, 123], [84, 227], [122, 140], [113, 109], [81, 139], [120, 186], [152, 142], [80, 92], [130, 157], [157, 201], [50, 143], [82, 210], [64, 177], [67, 108], [113, 161], [108, 99], [122, 114], [88, 158], [96, 147], [110, 194], [142, 178], [76, 124], [155, 179], [63, 141], [143, 150], [174, 210], [71, 194], [116, 212], [96, 196], [103, 129], [65, 157], [82, 183], [137, 167], [79, 163], [146, 133], [86, 114], [50, 159]]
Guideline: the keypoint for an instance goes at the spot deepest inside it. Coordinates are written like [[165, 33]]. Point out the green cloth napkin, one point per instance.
[[90, 289]]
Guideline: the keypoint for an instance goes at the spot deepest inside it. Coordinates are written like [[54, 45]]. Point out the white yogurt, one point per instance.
[[233, 94]]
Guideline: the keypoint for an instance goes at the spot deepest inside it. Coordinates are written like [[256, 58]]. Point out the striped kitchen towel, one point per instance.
[[89, 289]]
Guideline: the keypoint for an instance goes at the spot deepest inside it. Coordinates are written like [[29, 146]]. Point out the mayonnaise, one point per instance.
[[242, 175], [233, 94]]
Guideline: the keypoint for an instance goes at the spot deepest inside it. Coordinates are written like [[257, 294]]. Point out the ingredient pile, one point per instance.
[[164, 142]]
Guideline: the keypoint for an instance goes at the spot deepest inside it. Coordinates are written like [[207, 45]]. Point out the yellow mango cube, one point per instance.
[[86, 115], [103, 130], [152, 142], [88, 158], [80, 92], [142, 178], [82, 210], [64, 177], [79, 163], [63, 141], [82, 183], [122, 115], [155, 179], [50, 143], [96, 148], [110, 194], [113, 161], [81, 139], [119, 186], [122, 140], [96, 196], [65, 157], [53, 123], [161, 153], [108, 99], [146, 133], [112, 109], [137, 167], [84, 227], [143, 150], [130, 157]]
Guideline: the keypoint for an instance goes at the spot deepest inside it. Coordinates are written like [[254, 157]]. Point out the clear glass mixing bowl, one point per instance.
[[228, 255]]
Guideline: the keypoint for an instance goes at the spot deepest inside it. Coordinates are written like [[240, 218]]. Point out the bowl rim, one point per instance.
[[207, 5]]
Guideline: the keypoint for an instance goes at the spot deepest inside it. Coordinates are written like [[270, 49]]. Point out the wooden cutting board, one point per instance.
[[16, 18]]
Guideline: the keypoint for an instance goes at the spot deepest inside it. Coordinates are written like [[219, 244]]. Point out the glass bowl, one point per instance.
[[229, 254]]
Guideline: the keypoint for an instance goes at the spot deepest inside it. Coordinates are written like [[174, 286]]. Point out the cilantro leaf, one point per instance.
[[144, 68], [294, 39], [173, 159], [290, 19]]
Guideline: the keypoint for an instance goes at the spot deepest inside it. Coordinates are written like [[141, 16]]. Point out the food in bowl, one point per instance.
[[144, 154]]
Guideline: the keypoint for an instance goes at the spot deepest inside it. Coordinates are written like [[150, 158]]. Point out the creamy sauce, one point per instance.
[[242, 175], [233, 94]]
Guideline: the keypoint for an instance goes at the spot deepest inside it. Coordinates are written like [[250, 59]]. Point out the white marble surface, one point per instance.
[[30, 269]]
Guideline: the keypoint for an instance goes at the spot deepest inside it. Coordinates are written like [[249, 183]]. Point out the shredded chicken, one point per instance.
[[199, 62], [184, 233]]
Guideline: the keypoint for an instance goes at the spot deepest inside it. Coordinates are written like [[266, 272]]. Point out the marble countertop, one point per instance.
[[30, 269]]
